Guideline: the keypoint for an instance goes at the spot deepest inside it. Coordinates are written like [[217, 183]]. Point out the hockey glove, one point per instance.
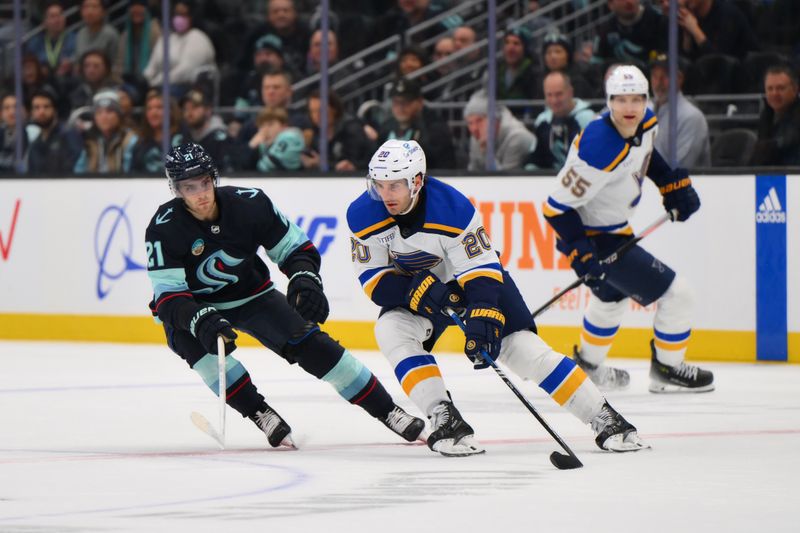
[[584, 261], [306, 296], [207, 324], [680, 195], [427, 296], [483, 329]]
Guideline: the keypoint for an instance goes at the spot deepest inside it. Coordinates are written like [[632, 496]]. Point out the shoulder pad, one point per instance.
[[447, 211], [601, 146], [367, 217]]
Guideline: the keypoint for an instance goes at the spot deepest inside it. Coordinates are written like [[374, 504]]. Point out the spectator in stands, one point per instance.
[[202, 126], [564, 117], [457, 89], [282, 20], [513, 142], [713, 27], [443, 48], [189, 50], [411, 59], [55, 46], [128, 100], [277, 145], [557, 56], [96, 34], [276, 92], [33, 77], [56, 149], [8, 134], [349, 149], [538, 27], [314, 59], [412, 120], [409, 13], [147, 154], [516, 78], [693, 146], [108, 145], [632, 35], [138, 39], [95, 74], [779, 123]]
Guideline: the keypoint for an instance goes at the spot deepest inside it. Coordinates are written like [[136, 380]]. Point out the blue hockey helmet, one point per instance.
[[186, 161]]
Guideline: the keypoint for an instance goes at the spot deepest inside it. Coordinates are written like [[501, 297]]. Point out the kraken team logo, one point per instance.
[[210, 272], [414, 262]]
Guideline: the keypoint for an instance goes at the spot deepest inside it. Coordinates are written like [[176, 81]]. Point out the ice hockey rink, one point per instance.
[[98, 437]]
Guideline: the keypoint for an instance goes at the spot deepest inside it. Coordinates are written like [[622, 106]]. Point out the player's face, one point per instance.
[[395, 194], [198, 195], [628, 110]]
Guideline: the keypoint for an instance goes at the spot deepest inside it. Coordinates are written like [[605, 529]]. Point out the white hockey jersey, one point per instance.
[[602, 177], [451, 242]]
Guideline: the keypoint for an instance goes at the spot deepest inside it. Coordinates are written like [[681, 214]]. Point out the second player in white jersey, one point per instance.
[[599, 188]]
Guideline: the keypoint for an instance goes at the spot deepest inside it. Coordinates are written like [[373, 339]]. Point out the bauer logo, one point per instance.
[[771, 210]]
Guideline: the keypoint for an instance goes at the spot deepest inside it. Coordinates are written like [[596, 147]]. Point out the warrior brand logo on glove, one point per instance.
[[420, 291], [488, 313], [675, 185]]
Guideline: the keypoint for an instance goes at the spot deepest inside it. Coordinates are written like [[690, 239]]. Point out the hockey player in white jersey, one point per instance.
[[418, 247], [599, 188]]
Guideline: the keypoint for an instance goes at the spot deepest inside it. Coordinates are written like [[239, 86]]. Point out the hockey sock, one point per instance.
[[530, 357], [672, 323], [356, 384], [600, 324], [422, 381], [242, 395]]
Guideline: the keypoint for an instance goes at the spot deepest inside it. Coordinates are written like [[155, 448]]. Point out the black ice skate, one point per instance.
[[605, 377], [407, 426], [274, 427], [680, 378], [614, 433], [451, 436]]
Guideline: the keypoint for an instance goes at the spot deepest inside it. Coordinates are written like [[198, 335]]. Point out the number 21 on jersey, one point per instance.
[[158, 260]]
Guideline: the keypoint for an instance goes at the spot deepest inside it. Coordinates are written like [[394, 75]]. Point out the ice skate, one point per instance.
[[407, 426], [274, 427], [680, 378], [614, 433], [605, 377], [451, 436]]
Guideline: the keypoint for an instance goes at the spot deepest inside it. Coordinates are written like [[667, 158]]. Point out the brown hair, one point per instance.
[[269, 114], [145, 130]]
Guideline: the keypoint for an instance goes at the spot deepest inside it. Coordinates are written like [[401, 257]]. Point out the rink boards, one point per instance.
[[72, 259]]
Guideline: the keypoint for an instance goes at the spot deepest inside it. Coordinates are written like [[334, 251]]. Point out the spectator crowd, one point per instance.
[[92, 99]]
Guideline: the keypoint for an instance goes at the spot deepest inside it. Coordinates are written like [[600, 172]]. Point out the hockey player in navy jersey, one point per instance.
[[208, 280], [599, 188], [419, 247]]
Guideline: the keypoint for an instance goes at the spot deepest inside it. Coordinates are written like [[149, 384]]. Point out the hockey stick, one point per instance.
[[559, 460], [670, 215], [202, 422]]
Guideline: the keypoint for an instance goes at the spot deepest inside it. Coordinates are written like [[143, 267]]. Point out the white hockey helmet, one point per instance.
[[395, 160], [626, 79]]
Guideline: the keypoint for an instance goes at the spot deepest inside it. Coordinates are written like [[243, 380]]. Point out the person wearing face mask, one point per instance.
[[189, 50]]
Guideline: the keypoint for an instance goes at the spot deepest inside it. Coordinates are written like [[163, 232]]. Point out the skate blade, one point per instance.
[[464, 447], [629, 443], [288, 442], [657, 387]]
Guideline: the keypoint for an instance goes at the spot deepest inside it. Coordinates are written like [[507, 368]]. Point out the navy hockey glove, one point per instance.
[[207, 324], [483, 329], [306, 296], [680, 195], [584, 261], [428, 296]]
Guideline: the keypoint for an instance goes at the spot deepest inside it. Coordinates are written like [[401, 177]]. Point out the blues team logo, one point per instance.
[[414, 262]]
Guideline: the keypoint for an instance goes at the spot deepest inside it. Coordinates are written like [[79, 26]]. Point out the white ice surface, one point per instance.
[[97, 437]]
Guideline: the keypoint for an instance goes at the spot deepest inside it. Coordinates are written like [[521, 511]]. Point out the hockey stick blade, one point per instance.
[[205, 426], [565, 462]]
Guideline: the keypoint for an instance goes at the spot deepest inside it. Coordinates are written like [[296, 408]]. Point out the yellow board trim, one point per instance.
[[420, 374], [569, 386], [377, 225], [705, 345]]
